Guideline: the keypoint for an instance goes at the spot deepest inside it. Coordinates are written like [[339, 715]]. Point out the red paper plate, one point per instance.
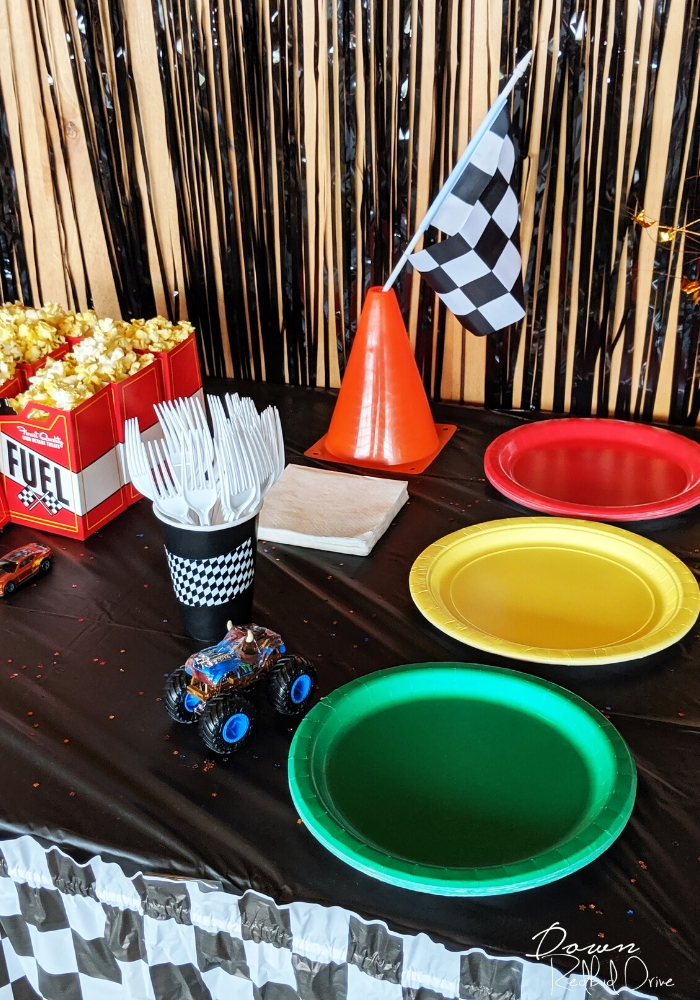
[[607, 470]]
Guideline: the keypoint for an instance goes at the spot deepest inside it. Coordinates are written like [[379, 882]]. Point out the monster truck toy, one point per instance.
[[207, 689]]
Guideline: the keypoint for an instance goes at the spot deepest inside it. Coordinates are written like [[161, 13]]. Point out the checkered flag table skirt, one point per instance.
[[204, 583], [87, 932]]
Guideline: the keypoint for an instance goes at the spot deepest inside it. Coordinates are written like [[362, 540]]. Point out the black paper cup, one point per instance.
[[213, 574]]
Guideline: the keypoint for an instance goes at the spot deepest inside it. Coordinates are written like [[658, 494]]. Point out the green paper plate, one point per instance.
[[460, 779]]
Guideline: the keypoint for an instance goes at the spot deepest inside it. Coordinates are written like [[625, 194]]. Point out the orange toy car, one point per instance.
[[21, 564]]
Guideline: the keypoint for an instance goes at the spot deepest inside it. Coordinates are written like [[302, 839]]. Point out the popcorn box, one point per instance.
[[29, 368], [180, 368], [152, 433], [4, 510], [180, 376], [61, 468], [13, 386], [136, 396], [64, 471]]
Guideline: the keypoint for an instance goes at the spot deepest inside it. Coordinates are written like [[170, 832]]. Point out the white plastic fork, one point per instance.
[[234, 501], [177, 416], [218, 416], [169, 498], [243, 408], [169, 419], [197, 476], [264, 461], [264, 455], [271, 429], [137, 460], [238, 483], [245, 456], [193, 418]]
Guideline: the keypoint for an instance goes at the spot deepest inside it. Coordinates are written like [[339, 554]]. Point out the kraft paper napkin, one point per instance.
[[334, 511]]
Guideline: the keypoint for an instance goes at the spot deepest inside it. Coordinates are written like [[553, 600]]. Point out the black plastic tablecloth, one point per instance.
[[90, 760]]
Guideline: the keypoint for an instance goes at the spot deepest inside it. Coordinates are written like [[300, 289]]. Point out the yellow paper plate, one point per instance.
[[555, 590]]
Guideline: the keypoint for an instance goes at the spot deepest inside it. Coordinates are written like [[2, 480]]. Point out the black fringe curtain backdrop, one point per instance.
[[256, 166]]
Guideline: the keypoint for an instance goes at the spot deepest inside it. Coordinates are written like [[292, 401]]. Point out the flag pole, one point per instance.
[[464, 159]]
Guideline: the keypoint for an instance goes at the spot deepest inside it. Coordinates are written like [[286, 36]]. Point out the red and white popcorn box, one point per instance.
[[180, 368], [152, 433], [181, 377], [136, 396], [61, 468], [4, 509], [12, 387], [64, 471], [29, 368]]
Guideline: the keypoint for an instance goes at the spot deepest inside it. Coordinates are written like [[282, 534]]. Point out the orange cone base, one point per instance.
[[444, 433]]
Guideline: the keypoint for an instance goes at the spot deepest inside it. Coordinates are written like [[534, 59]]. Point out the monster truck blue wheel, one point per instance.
[[299, 690], [226, 722], [191, 702], [178, 702], [291, 685], [235, 727]]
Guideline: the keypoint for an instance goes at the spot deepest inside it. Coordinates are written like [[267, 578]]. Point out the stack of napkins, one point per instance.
[[319, 509]]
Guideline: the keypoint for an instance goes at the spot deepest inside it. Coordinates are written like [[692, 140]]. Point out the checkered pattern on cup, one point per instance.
[[204, 583]]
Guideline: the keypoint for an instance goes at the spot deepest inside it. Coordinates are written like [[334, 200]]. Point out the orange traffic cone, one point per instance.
[[382, 418]]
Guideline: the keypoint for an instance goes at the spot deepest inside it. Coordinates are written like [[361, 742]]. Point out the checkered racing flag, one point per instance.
[[477, 272], [51, 502], [30, 498], [27, 496]]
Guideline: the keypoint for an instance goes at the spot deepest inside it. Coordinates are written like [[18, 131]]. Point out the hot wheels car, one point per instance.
[[21, 564], [207, 688]]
